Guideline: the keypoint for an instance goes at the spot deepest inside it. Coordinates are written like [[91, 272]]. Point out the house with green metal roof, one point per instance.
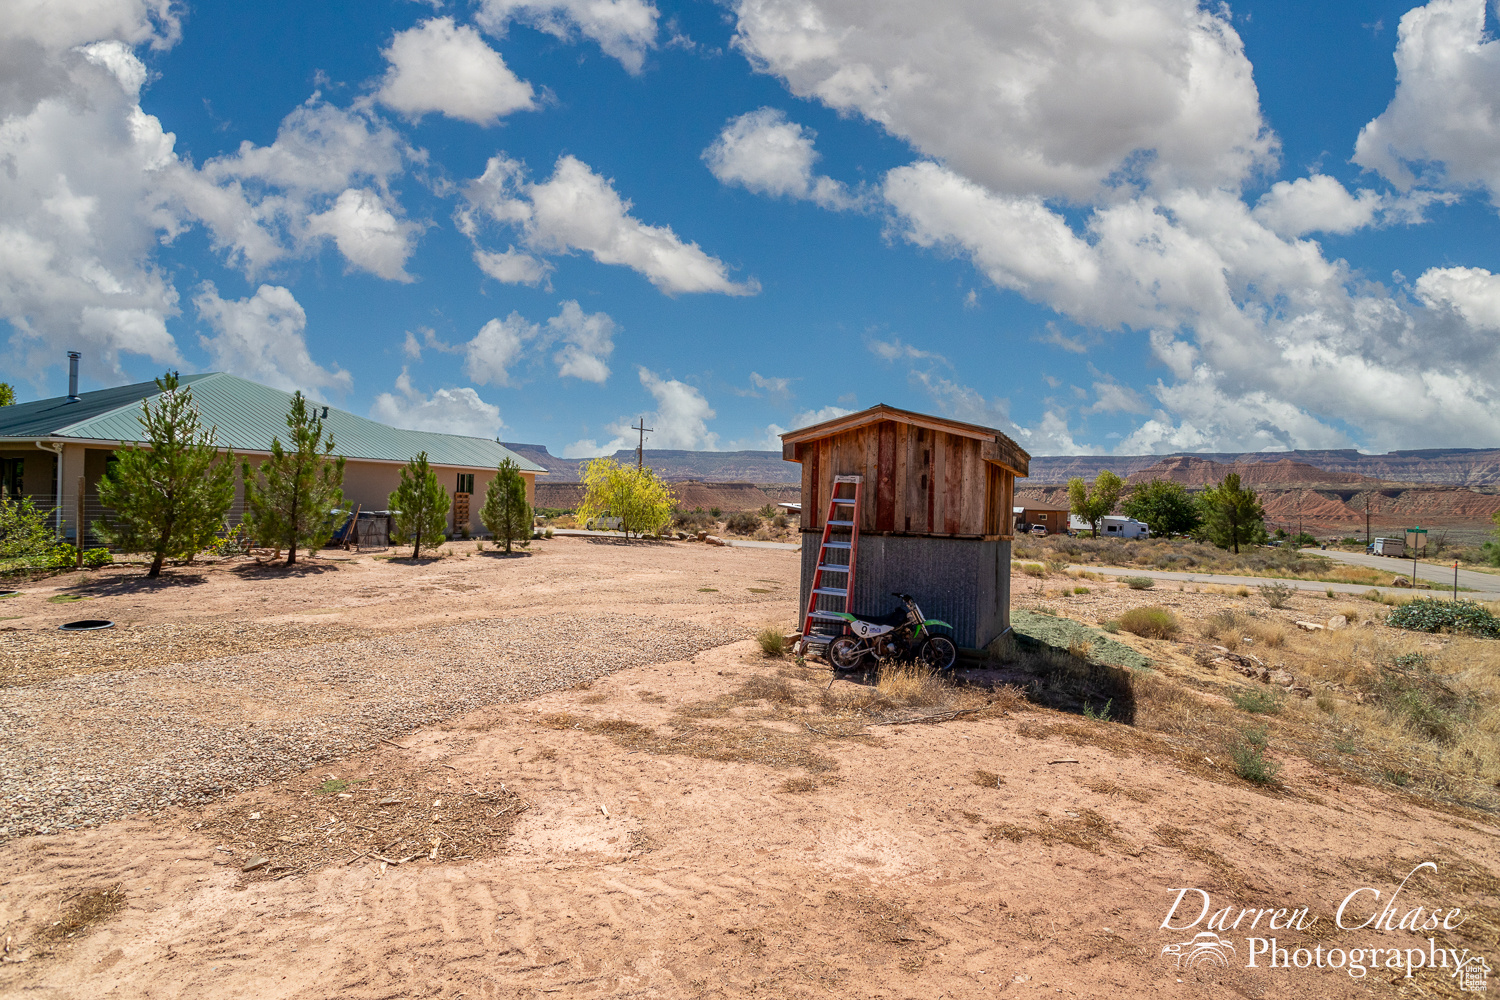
[[56, 450]]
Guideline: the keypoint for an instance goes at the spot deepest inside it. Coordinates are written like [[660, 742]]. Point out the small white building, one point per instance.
[[1112, 526]]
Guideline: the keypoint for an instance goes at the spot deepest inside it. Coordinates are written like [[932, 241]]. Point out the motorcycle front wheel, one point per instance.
[[938, 653], [844, 653]]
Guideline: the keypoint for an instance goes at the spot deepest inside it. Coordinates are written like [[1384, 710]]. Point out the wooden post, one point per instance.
[[78, 524]]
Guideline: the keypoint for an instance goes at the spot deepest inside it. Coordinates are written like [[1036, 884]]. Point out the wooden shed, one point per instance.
[[934, 517]]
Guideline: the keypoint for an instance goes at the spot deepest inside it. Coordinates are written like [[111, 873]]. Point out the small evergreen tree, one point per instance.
[[1232, 515], [1165, 507], [506, 513], [7, 394], [288, 504], [170, 498], [641, 501], [1092, 505], [420, 506]]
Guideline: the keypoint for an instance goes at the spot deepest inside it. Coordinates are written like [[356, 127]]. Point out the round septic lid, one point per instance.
[[86, 625]]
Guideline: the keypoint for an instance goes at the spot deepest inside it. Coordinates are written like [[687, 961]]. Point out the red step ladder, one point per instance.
[[846, 527]]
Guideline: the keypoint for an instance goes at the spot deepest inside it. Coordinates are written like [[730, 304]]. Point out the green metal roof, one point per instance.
[[247, 415]]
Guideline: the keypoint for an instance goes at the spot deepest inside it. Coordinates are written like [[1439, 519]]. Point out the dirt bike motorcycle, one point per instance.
[[904, 634]]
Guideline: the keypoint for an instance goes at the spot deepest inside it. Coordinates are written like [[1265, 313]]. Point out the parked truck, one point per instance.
[[1388, 547]]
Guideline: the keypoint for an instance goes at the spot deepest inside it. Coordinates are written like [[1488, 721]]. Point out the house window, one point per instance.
[[465, 482], [1041, 517], [12, 476]]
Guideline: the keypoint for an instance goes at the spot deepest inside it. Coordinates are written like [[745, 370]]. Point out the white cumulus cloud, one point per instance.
[[763, 152], [1035, 98], [498, 346], [447, 411], [576, 209], [262, 338], [368, 234], [447, 68], [587, 341], [624, 29], [1442, 127], [1316, 204]]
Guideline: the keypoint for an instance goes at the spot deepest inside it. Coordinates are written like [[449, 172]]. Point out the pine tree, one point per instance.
[[420, 506], [288, 506], [1232, 515], [7, 394], [506, 513], [170, 498], [1093, 505]]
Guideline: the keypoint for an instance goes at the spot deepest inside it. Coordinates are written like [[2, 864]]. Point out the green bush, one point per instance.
[[1250, 760], [1427, 614], [743, 522], [94, 558], [1150, 622], [1138, 582], [64, 556], [1256, 701]]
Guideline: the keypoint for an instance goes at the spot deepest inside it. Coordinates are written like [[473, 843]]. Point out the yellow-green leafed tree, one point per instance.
[[641, 501]]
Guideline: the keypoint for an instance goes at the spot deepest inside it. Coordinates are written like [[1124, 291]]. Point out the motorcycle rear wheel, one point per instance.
[[844, 653], [938, 653]]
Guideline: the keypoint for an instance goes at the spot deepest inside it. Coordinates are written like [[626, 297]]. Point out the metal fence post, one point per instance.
[[78, 525]]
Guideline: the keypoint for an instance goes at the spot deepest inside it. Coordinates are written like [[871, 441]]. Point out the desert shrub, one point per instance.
[[94, 558], [768, 511], [780, 521], [1080, 590], [1138, 582], [1098, 714], [772, 641], [1276, 595], [743, 522], [1033, 569], [715, 511], [1111, 626], [1256, 701], [1432, 615], [26, 536], [692, 519], [1222, 624], [63, 556], [1150, 622], [1410, 691], [1250, 760]]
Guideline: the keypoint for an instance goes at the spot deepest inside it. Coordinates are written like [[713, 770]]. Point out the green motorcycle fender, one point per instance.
[[927, 625]]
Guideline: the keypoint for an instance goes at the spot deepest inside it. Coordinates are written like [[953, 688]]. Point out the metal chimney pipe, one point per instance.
[[73, 357]]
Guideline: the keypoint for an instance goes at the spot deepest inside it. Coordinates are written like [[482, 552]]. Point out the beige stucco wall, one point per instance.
[[366, 482]]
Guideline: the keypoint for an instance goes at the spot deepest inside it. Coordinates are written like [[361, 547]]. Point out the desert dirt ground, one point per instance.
[[638, 803]]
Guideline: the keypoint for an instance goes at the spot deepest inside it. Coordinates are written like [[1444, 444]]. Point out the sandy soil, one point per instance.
[[704, 827]]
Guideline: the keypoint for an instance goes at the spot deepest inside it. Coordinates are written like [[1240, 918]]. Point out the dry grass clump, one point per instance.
[[772, 641], [1268, 633], [798, 785], [1181, 840], [1087, 830], [1150, 622], [987, 779], [880, 920], [90, 907], [911, 684], [397, 817], [1106, 787]]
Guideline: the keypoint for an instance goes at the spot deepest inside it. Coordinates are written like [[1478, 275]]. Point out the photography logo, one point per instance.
[[1204, 949]]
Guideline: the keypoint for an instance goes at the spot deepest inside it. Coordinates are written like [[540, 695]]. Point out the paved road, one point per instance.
[[1425, 571], [1491, 593]]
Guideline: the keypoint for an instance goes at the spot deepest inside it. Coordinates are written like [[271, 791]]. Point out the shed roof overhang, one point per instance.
[[995, 446]]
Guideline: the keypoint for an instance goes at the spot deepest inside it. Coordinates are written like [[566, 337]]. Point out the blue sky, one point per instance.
[[1135, 226]]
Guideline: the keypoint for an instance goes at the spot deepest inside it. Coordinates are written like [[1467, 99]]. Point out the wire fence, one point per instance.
[[372, 534]]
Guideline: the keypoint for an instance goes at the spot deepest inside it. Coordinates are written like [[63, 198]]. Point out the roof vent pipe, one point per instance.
[[73, 357]]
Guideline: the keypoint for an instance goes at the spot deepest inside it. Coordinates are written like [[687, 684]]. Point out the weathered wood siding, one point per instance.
[[916, 481], [964, 582]]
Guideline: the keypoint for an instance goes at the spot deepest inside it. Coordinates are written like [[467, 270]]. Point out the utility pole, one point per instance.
[[641, 447], [1367, 520]]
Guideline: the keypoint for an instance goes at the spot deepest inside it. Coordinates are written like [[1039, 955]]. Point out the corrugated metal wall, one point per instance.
[[965, 582]]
